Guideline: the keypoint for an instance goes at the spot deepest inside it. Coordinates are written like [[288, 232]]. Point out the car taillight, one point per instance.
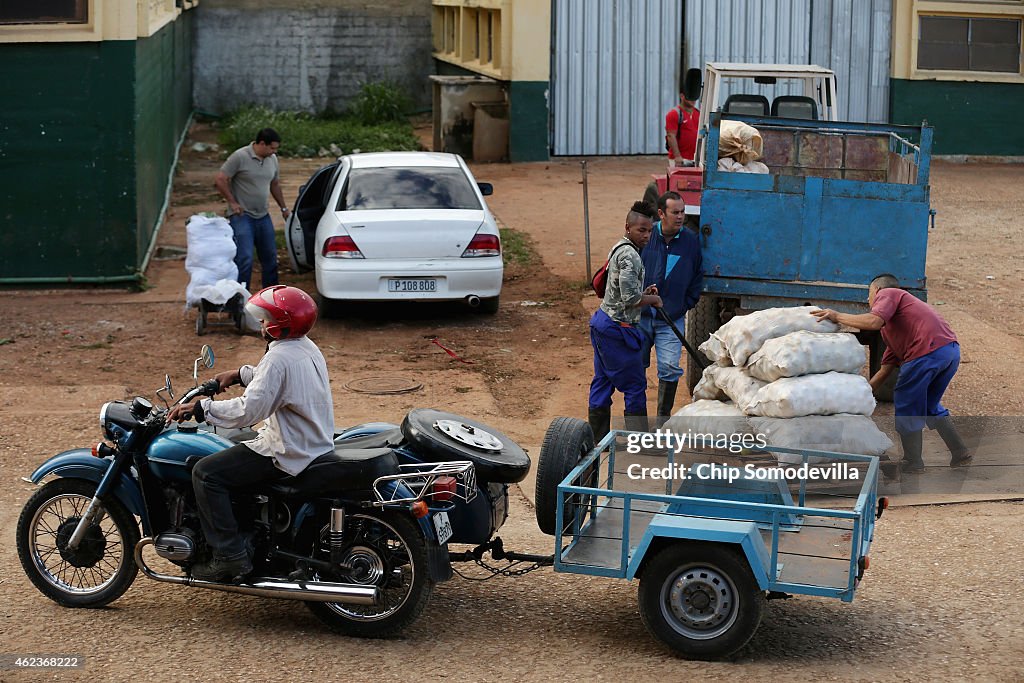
[[443, 489], [341, 247], [483, 245]]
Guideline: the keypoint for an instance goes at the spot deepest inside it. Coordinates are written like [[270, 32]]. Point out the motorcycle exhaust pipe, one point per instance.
[[473, 300], [308, 591]]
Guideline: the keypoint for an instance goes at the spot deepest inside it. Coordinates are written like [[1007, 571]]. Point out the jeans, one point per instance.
[[258, 231], [667, 346], [919, 389], [213, 478]]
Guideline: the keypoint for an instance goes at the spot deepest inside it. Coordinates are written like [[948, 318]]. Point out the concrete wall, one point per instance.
[[310, 55]]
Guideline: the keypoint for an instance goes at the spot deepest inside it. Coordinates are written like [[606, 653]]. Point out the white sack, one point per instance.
[[827, 394], [739, 140], [744, 334], [739, 386], [840, 433], [708, 417], [715, 350], [730, 165], [706, 389], [211, 255], [806, 353]]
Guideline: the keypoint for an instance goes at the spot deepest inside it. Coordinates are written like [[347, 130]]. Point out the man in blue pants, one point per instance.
[[924, 347], [245, 180], [614, 334], [674, 265]]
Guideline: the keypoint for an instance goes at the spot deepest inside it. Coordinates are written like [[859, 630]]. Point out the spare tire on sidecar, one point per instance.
[[498, 459]]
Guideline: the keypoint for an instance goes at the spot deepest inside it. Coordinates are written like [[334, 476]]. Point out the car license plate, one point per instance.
[[443, 527], [412, 285]]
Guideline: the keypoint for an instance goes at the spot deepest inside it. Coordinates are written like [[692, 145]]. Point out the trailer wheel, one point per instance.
[[700, 599], [566, 443], [701, 321], [201, 320]]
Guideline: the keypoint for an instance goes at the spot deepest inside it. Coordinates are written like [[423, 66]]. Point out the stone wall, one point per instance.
[[308, 55]]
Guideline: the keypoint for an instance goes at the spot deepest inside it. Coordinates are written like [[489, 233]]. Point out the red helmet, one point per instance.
[[287, 311]]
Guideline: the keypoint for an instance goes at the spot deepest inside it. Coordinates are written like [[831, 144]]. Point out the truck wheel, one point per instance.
[[700, 599], [701, 321], [566, 443]]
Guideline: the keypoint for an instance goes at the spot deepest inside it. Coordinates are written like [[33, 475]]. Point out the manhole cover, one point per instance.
[[383, 385]]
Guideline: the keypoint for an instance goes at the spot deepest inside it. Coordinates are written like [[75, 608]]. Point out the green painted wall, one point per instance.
[[87, 136], [969, 117], [163, 102], [528, 121], [67, 185]]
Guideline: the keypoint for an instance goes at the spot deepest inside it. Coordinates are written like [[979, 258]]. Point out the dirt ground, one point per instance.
[[944, 598]]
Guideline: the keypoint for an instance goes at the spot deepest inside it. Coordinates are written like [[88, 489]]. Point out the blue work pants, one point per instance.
[[919, 390], [618, 364]]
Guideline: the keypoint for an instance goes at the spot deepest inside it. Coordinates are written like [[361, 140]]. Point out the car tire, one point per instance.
[[508, 465]]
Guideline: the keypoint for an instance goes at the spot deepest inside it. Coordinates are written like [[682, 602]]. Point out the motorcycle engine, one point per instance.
[[176, 546]]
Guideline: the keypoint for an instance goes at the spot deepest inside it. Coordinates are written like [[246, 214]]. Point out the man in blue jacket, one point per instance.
[[673, 264]]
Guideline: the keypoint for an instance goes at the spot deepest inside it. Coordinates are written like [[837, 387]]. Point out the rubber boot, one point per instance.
[[600, 422], [666, 397], [912, 460], [961, 455], [636, 422]]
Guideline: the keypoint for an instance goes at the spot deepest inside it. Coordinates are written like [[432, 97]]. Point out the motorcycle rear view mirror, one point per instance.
[[206, 358], [166, 389]]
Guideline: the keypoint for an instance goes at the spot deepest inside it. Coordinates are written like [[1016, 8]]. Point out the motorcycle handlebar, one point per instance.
[[207, 388]]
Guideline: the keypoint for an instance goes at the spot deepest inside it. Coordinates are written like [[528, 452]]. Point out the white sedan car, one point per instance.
[[397, 226]]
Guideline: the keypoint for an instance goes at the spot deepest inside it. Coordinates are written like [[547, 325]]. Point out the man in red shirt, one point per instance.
[[924, 347], [681, 124]]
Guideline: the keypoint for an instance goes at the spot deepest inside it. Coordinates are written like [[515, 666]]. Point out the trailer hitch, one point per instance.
[[497, 550]]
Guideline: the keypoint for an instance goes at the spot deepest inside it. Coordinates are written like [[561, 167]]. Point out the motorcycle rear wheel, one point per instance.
[[102, 568], [388, 550]]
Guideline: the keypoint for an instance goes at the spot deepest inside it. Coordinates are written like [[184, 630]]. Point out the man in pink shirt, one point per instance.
[[921, 343]]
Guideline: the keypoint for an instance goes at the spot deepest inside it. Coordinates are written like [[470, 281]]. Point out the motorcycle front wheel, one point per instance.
[[386, 550], [100, 570]]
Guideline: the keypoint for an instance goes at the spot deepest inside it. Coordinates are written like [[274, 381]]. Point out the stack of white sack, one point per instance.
[[211, 255], [797, 380], [708, 417]]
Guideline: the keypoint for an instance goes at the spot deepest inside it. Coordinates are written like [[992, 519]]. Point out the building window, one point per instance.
[[44, 11], [969, 44]]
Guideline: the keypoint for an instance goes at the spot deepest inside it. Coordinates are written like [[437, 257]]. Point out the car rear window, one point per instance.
[[407, 188]]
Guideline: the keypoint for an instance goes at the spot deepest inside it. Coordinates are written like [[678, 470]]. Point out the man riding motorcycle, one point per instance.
[[289, 389]]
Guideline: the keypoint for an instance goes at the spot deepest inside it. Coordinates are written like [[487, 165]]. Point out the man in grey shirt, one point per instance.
[[245, 180], [288, 389]]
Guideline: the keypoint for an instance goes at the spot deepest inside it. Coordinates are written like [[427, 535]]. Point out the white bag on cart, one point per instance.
[[739, 386], [839, 433], [715, 350], [708, 417], [211, 255], [806, 353], [744, 334], [828, 394]]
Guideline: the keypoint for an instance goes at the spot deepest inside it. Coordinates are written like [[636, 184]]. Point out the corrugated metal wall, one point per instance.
[[851, 38], [614, 74]]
